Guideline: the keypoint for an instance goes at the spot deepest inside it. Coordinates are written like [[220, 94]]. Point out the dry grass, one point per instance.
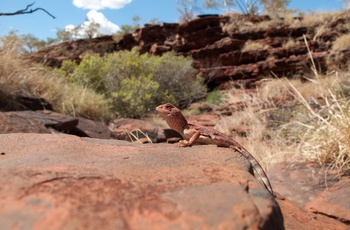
[[342, 42], [310, 20], [254, 45], [290, 43], [316, 19], [313, 125], [19, 77], [326, 139], [254, 119]]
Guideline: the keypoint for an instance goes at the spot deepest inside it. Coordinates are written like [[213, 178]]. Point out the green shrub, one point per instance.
[[137, 83], [89, 73], [138, 95], [176, 75], [214, 97]]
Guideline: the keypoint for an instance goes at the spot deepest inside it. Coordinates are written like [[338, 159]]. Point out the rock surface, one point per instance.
[[295, 218], [334, 201], [300, 182], [313, 188], [45, 121], [57, 181]]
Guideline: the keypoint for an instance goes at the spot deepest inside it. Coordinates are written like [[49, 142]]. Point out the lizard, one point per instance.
[[192, 134]]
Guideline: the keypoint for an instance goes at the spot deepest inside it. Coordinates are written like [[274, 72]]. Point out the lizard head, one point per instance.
[[172, 116]]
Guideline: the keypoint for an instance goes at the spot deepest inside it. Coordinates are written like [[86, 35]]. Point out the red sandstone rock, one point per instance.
[[217, 50], [90, 128], [296, 218], [56, 181], [334, 201], [48, 121], [300, 183]]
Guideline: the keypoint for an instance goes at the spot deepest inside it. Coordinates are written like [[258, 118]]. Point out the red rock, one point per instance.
[[334, 201], [296, 218], [217, 50], [90, 128], [18, 122], [48, 122], [134, 130], [300, 182], [65, 182], [35, 122]]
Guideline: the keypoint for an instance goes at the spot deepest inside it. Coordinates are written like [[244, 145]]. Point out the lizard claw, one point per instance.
[[184, 143]]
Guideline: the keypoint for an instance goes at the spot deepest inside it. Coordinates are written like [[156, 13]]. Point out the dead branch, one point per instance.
[[27, 11]]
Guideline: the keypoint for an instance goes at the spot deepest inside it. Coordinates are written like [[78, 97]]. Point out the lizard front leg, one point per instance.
[[188, 143]]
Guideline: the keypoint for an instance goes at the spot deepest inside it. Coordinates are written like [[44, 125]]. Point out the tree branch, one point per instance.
[[27, 11]]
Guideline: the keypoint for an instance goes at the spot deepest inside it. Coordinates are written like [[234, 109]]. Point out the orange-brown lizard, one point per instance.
[[203, 135]]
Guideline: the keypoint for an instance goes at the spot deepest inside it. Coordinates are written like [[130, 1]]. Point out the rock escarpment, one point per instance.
[[236, 48]]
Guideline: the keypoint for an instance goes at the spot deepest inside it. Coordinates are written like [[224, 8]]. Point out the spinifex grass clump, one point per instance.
[[327, 134], [295, 120]]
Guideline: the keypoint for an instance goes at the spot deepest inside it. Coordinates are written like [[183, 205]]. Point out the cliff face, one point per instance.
[[226, 49]]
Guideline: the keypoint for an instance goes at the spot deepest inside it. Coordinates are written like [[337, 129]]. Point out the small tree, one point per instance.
[[245, 6], [51, 41], [64, 35], [91, 29], [136, 20], [30, 41], [155, 21], [12, 42], [187, 9], [125, 29], [346, 4], [250, 7], [275, 7], [76, 31]]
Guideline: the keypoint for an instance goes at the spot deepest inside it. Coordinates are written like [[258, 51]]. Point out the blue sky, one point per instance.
[[110, 14]]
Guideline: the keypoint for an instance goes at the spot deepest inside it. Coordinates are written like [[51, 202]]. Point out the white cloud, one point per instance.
[[106, 26], [100, 4]]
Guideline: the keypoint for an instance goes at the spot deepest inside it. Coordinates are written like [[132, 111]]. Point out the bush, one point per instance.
[[88, 73], [21, 78], [214, 97], [137, 95], [138, 83]]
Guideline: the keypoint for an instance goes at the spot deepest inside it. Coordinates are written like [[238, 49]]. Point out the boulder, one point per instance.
[[45, 121], [58, 181]]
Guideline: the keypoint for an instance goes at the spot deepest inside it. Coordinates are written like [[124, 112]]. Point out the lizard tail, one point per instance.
[[257, 167]]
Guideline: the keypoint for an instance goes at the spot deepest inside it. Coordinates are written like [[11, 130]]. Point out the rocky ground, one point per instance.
[[54, 180], [57, 181], [118, 183]]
